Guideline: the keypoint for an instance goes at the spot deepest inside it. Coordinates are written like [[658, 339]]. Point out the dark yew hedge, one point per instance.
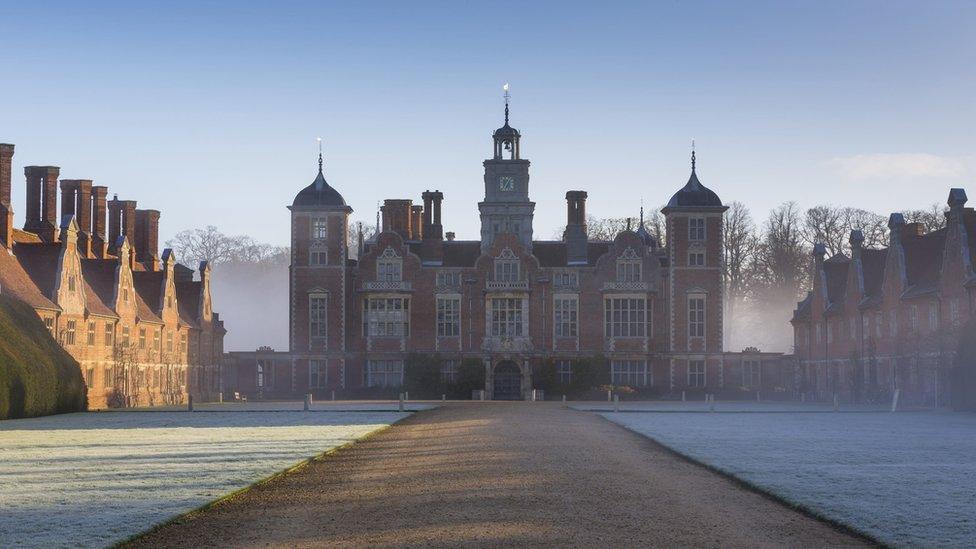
[[37, 377]]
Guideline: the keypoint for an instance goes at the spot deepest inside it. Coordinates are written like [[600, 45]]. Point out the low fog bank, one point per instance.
[[763, 325], [252, 299]]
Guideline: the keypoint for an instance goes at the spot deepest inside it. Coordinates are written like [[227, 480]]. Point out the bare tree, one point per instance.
[[874, 226], [825, 225], [207, 244], [352, 240], [740, 244], [607, 228], [932, 218]]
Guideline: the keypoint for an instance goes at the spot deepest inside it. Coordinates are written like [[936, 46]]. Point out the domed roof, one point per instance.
[[506, 131], [694, 195], [319, 194]]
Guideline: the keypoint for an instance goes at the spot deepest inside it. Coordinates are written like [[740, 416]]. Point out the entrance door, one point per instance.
[[508, 381]]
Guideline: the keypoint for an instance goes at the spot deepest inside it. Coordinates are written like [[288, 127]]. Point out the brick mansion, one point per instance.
[[512, 302], [139, 324]]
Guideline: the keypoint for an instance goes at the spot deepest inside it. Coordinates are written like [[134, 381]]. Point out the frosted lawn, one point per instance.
[[907, 479], [92, 479]]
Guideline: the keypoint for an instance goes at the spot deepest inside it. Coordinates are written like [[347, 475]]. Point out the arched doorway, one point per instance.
[[507, 381]]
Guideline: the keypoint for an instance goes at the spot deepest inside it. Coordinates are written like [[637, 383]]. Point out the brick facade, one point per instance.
[[139, 325], [889, 319]]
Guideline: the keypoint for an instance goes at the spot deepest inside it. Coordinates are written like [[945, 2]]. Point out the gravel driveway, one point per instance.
[[501, 473]]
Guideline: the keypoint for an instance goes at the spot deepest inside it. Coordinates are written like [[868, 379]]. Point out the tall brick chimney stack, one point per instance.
[[575, 234], [99, 203], [433, 229], [6, 209], [397, 217], [129, 228], [416, 222], [76, 200], [42, 196], [114, 224], [147, 238]]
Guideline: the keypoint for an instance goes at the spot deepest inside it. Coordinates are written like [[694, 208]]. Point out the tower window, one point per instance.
[[317, 321], [565, 316], [696, 228], [696, 373], [69, 338], [319, 228], [507, 270], [696, 259], [696, 316], [318, 374], [318, 257]]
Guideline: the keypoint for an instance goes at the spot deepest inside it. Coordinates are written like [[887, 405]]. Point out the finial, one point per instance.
[[692, 155], [319, 139], [506, 87], [642, 210]]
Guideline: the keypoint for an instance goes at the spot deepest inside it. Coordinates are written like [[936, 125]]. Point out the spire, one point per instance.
[[506, 87], [642, 210], [692, 155], [319, 139]]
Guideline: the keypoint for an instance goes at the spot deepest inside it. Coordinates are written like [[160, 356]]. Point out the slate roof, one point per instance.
[[694, 196], [40, 262], [188, 302], [872, 269], [100, 276], [923, 262], [319, 194], [149, 286], [835, 271]]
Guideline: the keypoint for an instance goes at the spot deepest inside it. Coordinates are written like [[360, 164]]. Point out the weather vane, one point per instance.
[[506, 87], [692, 154], [319, 139]]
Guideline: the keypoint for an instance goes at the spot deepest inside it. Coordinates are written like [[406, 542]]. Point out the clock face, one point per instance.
[[506, 183]]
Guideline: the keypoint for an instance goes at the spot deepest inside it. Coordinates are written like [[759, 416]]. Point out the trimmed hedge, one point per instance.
[[37, 376]]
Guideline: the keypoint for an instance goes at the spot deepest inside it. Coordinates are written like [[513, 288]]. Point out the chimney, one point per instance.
[[857, 243], [114, 224], [98, 205], [575, 234], [433, 229], [42, 195], [6, 209], [129, 229], [76, 200], [450, 236], [914, 229], [396, 217], [416, 221], [147, 238]]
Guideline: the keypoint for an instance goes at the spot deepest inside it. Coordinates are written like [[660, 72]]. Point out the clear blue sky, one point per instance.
[[209, 111]]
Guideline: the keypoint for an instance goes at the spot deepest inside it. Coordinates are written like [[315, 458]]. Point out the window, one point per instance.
[[319, 228], [91, 333], [259, 382], [624, 317], [107, 381], [449, 279], [318, 374], [632, 373], [69, 336], [751, 374], [125, 293], [564, 370], [49, 324], [628, 270], [386, 316], [696, 259], [696, 228], [830, 331], [913, 318], [71, 283], [389, 270], [142, 338], [878, 320], [696, 373], [157, 341], [169, 342], [818, 333], [933, 317], [318, 257], [384, 373], [506, 317], [182, 343], [853, 327], [109, 335], [126, 339], [696, 317], [169, 302], [566, 312], [865, 327], [954, 311], [317, 321], [565, 279], [506, 270], [448, 316], [893, 323], [449, 371]]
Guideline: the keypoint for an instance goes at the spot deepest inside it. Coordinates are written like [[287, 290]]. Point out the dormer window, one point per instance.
[[125, 294], [71, 283], [629, 266], [389, 270], [696, 228], [507, 267], [319, 228]]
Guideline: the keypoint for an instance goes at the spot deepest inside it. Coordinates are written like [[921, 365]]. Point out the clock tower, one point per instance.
[[506, 207]]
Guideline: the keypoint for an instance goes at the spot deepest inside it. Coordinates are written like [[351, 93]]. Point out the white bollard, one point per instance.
[[308, 398], [894, 400], [803, 397], [711, 401], [757, 397], [401, 402], [609, 395], [836, 403], [220, 397], [333, 395], [189, 403], [443, 398], [564, 399], [682, 396], [406, 396], [616, 403]]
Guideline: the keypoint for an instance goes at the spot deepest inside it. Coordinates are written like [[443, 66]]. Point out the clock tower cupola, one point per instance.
[[506, 207]]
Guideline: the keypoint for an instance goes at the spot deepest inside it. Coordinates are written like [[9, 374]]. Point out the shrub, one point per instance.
[[37, 376], [964, 371], [470, 377], [422, 376]]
